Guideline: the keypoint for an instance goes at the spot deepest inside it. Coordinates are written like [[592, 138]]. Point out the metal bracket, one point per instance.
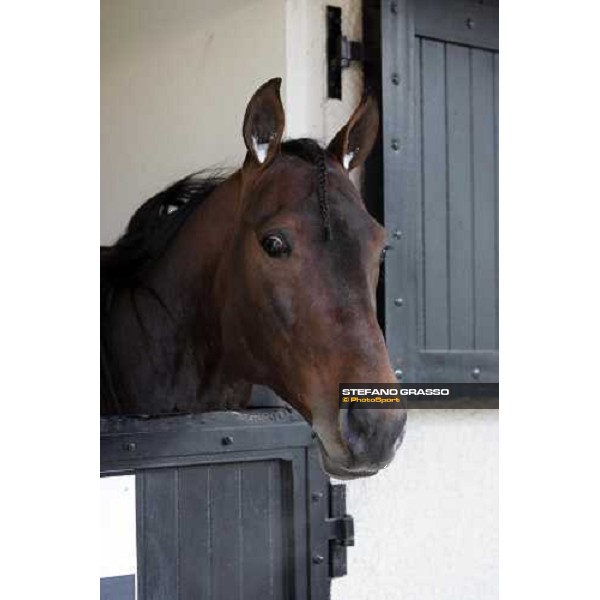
[[350, 51], [341, 531], [340, 52]]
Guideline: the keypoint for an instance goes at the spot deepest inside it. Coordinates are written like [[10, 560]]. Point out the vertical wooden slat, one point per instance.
[[281, 539], [258, 560], [496, 188], [140, 533], [225, 529], [194, 527], [419, 222], [484, 197], [298, 569], [434, 187], [158, 498], [460, 225]]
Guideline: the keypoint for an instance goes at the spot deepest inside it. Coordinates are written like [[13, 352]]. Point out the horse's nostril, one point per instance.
[[359, 420], [372, 436], [356, 431]]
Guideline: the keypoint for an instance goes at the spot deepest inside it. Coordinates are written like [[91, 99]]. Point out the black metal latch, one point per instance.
[[341, 532], [340, 52]]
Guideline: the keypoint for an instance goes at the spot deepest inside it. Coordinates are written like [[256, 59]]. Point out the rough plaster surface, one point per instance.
[[426, 528]]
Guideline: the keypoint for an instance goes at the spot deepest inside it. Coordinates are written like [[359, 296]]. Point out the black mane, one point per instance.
[[152, 227]]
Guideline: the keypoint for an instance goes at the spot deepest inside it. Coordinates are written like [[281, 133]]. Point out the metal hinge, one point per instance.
[[341, 531], [350, 51], [340, 52]]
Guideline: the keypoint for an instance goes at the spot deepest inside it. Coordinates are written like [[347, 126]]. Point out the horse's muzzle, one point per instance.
[[371, 435]]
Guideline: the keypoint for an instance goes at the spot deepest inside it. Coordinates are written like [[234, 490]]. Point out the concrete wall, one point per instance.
[[176, 77]]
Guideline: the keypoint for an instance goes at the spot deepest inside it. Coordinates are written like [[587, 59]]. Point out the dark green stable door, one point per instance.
[[442, 281]]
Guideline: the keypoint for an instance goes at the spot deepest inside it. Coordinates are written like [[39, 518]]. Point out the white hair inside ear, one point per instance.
[[348, 159], [260, 150]]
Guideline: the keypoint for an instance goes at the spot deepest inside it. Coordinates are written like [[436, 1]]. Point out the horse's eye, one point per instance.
[[276, 246]]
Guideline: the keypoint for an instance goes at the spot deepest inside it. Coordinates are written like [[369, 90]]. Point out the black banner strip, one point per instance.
[[419, 395]]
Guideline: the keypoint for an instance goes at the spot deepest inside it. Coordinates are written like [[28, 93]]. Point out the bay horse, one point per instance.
[[265, 277]]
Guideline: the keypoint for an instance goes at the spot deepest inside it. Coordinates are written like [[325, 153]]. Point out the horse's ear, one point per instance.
[[354, 141], [264, 122]]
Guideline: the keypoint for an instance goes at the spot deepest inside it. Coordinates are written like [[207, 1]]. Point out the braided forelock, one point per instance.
[[322, 193], [309, 150]]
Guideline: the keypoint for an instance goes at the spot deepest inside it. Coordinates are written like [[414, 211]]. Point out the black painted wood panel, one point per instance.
[[441, 189], [225, 526], [458, 197], [228, 505]]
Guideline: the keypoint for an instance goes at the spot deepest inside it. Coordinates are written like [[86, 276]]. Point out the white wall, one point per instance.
[[118, 554], [176, 77], [426, 527]]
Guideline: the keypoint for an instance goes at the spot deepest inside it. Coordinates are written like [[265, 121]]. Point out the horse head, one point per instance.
[[268, 277], [297, 282]]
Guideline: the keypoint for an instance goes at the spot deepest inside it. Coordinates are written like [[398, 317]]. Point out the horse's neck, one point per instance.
[[166, 331]]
